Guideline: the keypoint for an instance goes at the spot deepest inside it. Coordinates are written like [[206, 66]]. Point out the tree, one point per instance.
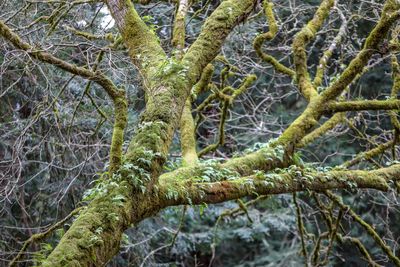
[[135, 187]]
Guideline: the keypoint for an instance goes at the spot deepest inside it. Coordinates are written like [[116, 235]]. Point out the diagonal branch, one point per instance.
[[324, 128], [118, 96], [216, 28], [390, 15], [142, 43], [370, 230], [38, 54]]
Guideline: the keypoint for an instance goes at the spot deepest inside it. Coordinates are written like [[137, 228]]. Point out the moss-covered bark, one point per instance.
[[216, 28], [188, 142], [144, 48], [287, 181], [96, 233], [328, 125], [359, 105], [307, 33], [260, 39], [389, 15]]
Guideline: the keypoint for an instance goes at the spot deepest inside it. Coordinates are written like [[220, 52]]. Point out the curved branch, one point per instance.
[[227, 102], [118, 96], [300, 42], [260, 39]]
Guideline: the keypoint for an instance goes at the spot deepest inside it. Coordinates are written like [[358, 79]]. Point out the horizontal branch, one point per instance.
[[359, 105], [265, 159], [289, 181]]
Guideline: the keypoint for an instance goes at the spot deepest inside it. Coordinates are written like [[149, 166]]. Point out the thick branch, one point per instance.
[[396, 80], [285, 182], [188, 140], [359, 105], [142, 43], [178, 34], [187, 127]]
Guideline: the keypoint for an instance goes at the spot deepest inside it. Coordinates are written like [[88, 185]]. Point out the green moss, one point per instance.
[[300, 42], [214, 31], [141, 41], [121, 120], [202, 85], [370, 47], [188, 141], [328, 125], [261, 38], [302, 125]]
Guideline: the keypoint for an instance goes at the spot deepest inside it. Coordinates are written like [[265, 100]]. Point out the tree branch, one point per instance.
[[268, 36], [143, 45], [360, 105], [292, 180], [323, 62], [389, 15], [328, 125], [118, 96], [368, 228], [300, 42], [216, 28]]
